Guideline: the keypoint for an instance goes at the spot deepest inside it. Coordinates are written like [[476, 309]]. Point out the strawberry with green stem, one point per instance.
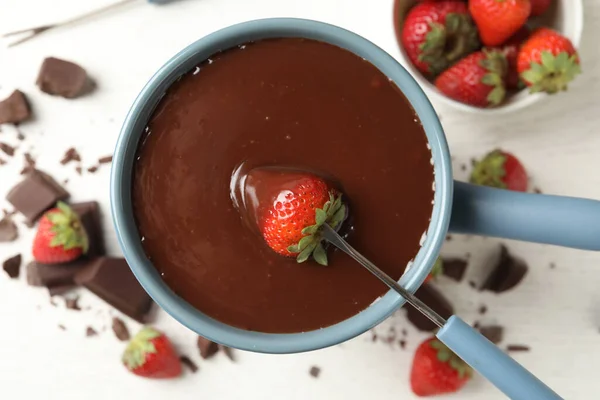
[[502, 170], [60, 236], [151, 355]]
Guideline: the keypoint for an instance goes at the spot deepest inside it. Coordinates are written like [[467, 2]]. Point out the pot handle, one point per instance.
[[563, 221]]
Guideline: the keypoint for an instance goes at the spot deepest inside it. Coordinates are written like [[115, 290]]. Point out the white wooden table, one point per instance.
[[555, 311]]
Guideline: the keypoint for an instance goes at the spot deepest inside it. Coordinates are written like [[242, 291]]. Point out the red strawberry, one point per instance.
[[547, 61], [60, 236], [501, 170], [151, 355], [437, 34], [437, 270], [437, 370], [477, 79], [538, 7], [498, 20], [510, 49], [291, 225]]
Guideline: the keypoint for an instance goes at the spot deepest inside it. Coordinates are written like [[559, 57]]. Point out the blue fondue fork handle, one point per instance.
[[558, 220], [491, 362]]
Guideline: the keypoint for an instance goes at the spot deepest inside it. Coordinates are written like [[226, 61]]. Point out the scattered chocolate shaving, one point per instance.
[[15, 108], [78, 169], [63, 78], [493, 333], [314, 371], [454, 268], [120, 329], [73, 304], [185, 360], [428, 294], [70, 155], [62, 327], [92, 169], [517, 347], [207, 348], [402, 343], [105, 159], [8, 230], [89, 332], [482, 309], [12, 266], [507, 273], [7, 149]]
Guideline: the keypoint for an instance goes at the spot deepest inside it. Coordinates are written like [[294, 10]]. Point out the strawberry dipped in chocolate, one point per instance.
[[289, 208]]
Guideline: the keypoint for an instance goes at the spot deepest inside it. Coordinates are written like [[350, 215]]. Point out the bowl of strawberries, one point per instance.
[[489, 56]]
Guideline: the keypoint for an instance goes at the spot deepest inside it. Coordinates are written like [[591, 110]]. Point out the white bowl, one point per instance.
[[564, 16]]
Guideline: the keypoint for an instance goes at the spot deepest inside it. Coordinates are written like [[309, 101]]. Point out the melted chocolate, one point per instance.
[[281, 102]]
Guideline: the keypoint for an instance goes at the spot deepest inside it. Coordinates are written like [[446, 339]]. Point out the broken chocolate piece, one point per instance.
[[89, 331], [120, 329], [89, 215], [8, 230], [105, 159], [207, 348], [434, 299], [314, 371], [12, 266], [70, 155], [454, 268], [62, 78], [54, 275], [506, 274], [14, 109], [73, 304], [92, 169], [228, 352], [29, 164], [185, 360], [36, 193], [7, 149], [517, 347], [493, 333], [111, 279]]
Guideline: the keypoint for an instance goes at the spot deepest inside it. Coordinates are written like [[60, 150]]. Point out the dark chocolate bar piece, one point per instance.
[[506, 274], [454, 268], [12, 266], [36, 193], [54, 275], [8, 230], [89, 214], [62, 78], [111, 279], [14, 108], [428, 294]]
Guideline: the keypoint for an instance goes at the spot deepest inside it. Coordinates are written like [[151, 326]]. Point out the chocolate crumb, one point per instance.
[[473, 284], [8, 230], [373, 337], [473, 162], [29, 162], [537, 190], [73, 304], [2, 162], [70, 155], [89, 331], [78, 169], [120, 329], [402, 343], [20, 135], [482, 309], [62, 327], [493, 333], [463, 167], [12, 266], [185, 360], [314, 371], [105, 159], [467, 255], [476, 325], [404, 332], [66, 181], [228, 352], [448, 238], [552, 265], [7, 149], [92, 169], [517, 347], [206, 347]]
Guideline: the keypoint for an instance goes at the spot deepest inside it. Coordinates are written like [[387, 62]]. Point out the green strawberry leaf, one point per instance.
[[320, 255]]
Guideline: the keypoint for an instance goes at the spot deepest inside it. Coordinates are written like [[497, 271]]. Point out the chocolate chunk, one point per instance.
[[54, 275], [506, 274], [473, 284], [185, 360], [476, 325], [62, 78], [62, 327], [14, 108], [89, 214], [517, 347], [8, 230], [207, 348], [89, 331], [35, 194], [111, 279], [92, 169], [434, 299], [482, 309], [494, 333], [120, 329], [228, 352], [73, 304], [402, 343], [314, 371], [70, 155], [7, 149], [29, 162], [58, 290], [454, 268], [20, 135], [12, 266], [105, 159]]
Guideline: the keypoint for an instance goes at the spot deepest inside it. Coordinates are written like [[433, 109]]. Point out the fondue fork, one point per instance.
[[477, 351]]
